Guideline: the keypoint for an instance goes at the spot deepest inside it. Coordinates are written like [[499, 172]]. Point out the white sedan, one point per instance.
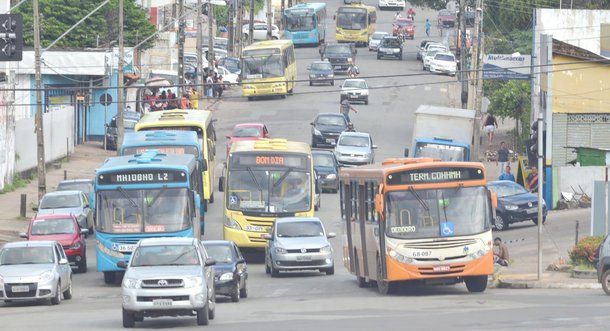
[[227, 76], [355, 89], [260, 31], [400, 4], [444, 63]]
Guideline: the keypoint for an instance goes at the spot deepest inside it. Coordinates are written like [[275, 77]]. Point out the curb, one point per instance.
[[528, 284]]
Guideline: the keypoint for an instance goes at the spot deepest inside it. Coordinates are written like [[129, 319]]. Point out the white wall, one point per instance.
[[579, 27], [575, 176], [7, 138], [58, 126]]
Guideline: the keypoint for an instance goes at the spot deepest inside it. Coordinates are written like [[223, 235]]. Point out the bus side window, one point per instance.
[[211, 150]]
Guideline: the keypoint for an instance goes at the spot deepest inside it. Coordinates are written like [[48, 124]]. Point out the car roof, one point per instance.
[[217, 242], [67, 192], [445, 53], [355, 134], [296, 219], [390, 37], [166, 241], [321, 151], [330, 114], [355, 80], [497, 182], [243, 125], [78, 180], [34, 243], [325, 62]]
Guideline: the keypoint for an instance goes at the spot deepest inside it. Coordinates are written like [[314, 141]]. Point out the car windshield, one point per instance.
[[432, 53], [75, 186], [439, 151], [26, 255], [391, 42], [323, 160], [352, 19], [354, 141], [247, 131], [415, 214], [331, 120], [231, 64], [299, 229], [403, 22], [221, 253], [57, 201], [129, 123], [444, 57], [266, 66], [321, 66], [299, 22], [354, 84], [507, 189], [378, 36], [165, 255], [445, 12], [43, 227], [338, 49], [144, 210]]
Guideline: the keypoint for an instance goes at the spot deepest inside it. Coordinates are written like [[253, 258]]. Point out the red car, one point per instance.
[[247, 131], [65, 230], [404, 24]]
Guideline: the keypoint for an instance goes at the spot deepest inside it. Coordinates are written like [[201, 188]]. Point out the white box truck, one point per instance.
[[442, 133]]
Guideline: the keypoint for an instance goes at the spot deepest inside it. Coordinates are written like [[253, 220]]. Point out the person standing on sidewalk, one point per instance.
[[532, 180], [502, 158], [507, 175], [501, 257], [490, 126]]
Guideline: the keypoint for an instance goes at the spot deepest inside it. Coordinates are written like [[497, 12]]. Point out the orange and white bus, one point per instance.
[[417, 220]]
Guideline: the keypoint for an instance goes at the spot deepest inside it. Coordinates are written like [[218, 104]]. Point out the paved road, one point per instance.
[[308, 300]]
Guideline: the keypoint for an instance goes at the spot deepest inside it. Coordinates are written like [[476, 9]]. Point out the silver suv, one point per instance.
[[168, 277]]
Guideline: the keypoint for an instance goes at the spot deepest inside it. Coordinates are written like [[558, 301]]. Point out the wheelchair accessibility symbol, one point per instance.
[[232, 199], [447, 229]]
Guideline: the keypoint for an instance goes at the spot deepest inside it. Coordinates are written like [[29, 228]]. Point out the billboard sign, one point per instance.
[[507, 67]]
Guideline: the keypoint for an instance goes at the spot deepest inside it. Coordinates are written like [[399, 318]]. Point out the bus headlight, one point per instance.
[[399, 257], [231, 223], [349, 60]]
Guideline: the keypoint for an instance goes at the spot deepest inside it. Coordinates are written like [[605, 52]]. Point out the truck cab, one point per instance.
[[440, 148], [341, 55]]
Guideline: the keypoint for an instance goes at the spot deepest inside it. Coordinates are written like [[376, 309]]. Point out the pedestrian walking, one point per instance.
[[345, 108], [210, 85], [428, 26], [502, 158], [194, 99], [489, 125]]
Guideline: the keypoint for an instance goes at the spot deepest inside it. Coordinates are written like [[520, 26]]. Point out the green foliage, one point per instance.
[[18, 182], [586, 249], [258, 5], [57, 16]]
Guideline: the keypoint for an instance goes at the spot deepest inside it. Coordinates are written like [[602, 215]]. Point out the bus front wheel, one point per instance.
[[110, 277], [476, 283], [383, 286]]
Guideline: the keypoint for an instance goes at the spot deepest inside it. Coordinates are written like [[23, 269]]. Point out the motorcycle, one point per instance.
[[353, 71]]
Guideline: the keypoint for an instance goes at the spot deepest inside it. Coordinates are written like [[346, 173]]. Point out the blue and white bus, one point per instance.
[[169, 142], [305, 23], [142, 196]]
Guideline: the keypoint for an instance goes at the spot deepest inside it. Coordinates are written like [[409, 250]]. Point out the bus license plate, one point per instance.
[[126, 248], [254, 228], [162, 302], [441, 268], [20, 288], [303, 258]]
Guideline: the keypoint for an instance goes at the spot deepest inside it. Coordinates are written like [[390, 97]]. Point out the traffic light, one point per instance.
[[11, 37], [532, 144]]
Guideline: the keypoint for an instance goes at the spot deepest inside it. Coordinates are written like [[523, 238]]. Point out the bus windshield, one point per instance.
[[416, 214], [299, 23], [269, 191], [354, 19], [139, 210], [439, 151], [266, 66]]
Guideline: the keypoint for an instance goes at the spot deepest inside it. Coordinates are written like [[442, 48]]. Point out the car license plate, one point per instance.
[[126, 248], [254, 228], [532, 210], [389, 52], [162, 302], [303, 258], [330, 140], [441, 268], [353, 96], [20, 288]]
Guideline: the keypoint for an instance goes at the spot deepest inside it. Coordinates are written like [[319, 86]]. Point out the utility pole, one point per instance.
[[231, 21], [200, 79], [540, 189], [251, 25], [42, 178], [210, 36], [463, 66], [181, 25], [121, 89], [282, 8], [476, 80], [240, 39], [269, 20]]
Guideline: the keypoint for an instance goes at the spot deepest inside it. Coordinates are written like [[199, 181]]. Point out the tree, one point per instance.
[[99, 30]]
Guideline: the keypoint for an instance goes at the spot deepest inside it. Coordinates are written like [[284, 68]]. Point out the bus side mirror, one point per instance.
[[221, 183], [406, 152], [494, 199], [121, 264]]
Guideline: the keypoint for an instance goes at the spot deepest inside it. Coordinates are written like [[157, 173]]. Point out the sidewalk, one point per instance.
[[82, 164]]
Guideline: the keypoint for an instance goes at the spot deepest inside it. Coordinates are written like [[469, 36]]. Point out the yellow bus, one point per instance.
[[268, 68], [265, 179], [417, 220], [199, 121], [355, 24]]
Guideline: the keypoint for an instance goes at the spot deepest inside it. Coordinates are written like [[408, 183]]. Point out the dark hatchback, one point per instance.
[[130, 118], [230, 268], [390, 47], [515, 204], [326, 128], [327, 167], [321, 72]]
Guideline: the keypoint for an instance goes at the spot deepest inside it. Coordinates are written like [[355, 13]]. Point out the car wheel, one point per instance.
[[212, 197], [57, 298], [535, 220], [250, 98], [203, 314], [310, 83], [400, 57], [267, 268], [383, 286], [283, 96], [476, 283], [330, 271], [212, 312], [378, 57], [68, 292], [235, 294], [332, 83], [244, 291], [129, 320], [366, 102], [500, 223], [274, 272], [274, 38], [606, 282], [82, 265], [138, 318]]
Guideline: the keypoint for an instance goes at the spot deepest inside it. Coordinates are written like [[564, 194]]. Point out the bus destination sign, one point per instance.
[[191, 150], [435, 175], [143, 177], [283, 160]]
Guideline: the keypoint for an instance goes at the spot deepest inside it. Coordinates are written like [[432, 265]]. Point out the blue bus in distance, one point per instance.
[[142, 196], [305, 23]]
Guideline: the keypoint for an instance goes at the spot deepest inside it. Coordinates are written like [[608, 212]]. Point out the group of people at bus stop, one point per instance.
[[167, 99]]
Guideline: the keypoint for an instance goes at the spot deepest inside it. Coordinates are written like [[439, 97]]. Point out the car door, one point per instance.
[[208, 271], [242, 268], [63, 268]]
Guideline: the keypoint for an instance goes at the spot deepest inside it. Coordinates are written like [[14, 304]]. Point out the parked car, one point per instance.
[[298, 243], [321, 72], [430, 53], [399, 24], [327, 167], [422, 47], [228, 77], [444, 62], [231, 271], [355, 148], [233, 64], [260, 31], [355, 89], [326, 128], [84, 185], [603, 264], [247, 131], [130, 118], [515, 204], [390, 47], [446, 18], [391, 4], [375, 39], [65, 230], [67, 202], [168, 277], [35, 270]]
